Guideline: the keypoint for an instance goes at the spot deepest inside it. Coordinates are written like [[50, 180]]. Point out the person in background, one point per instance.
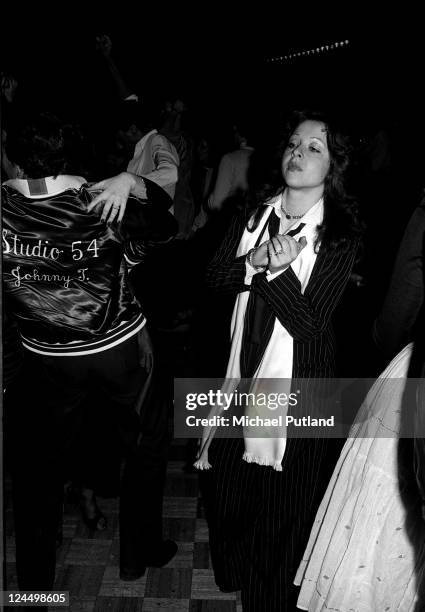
[[153, 155], [65, 279], [232, 178], [173, 127], [367, 547]]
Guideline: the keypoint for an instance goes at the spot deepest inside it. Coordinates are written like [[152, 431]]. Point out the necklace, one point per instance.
[[288, 216]]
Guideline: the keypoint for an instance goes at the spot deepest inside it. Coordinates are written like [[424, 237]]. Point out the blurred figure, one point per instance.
[[173, 128], [151, 154], [379, 480], [9, 85], [232, 178]]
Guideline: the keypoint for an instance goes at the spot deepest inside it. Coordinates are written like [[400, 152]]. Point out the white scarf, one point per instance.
[[277, 360]]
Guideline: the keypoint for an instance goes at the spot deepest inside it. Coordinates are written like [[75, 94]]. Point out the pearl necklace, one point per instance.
[[288, 216]]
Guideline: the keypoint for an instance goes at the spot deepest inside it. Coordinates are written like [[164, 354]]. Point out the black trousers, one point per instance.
[[259, 519], [43, 427]]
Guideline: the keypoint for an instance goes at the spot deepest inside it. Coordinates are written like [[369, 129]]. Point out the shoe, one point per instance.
[[166, 551], [97, 523]]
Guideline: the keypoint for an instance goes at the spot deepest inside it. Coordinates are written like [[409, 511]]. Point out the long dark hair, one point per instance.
[[340, 221]]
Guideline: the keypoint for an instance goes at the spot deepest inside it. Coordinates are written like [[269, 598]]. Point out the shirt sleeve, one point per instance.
[[166, 161]]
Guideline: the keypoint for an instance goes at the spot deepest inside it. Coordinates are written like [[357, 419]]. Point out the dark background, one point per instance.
[[217, 61]]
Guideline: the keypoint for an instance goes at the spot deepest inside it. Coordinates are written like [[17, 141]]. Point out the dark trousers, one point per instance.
[[45, 425], [259, 519]]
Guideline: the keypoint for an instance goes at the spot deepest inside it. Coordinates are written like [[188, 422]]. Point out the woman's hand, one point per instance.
[[283, 250], [261, 257], [115, 192]]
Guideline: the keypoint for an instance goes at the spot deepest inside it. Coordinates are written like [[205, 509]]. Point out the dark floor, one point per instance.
[[87, 562]]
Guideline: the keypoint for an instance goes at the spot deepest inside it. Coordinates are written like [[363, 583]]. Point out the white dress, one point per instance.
[[359, 557]]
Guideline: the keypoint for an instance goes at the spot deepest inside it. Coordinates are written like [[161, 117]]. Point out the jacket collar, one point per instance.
[[48, 186]]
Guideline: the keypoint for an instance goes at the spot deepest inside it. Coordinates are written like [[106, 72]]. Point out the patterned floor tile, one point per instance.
[[114, 553], [175, 467], [9, 527], [69, 526], [165, 605], [169, 583], [82, 531], [181, 486], [62, 551], [88, 561], [119, 604], [88, 552], [10, 575], [82, 604], [206, 605], [10, 549], [80, 581], [184, 556], [201, 556], [201, 531], [181, 530], [112, 586], [204, 586], [180, 507]]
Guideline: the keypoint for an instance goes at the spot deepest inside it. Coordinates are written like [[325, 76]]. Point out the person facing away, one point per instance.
[[65, 280], [287, 266], [232, 177]]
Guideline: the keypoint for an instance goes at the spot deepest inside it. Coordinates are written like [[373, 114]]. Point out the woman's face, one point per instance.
[[306, 159]]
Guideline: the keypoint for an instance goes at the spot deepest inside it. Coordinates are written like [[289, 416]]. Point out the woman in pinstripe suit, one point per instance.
[[287, 267]]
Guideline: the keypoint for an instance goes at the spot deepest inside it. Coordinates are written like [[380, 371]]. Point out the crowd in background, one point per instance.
[[221, 161]]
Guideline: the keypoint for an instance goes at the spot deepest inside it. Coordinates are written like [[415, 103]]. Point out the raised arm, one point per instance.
[[307, 315], [104, 46]]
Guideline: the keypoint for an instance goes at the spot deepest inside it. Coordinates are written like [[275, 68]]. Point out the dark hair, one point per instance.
[[37, 145], [46, 145], [340, 221], [131, 112]]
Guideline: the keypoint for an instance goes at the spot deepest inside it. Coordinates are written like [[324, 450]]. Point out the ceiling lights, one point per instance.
[[317, 51]]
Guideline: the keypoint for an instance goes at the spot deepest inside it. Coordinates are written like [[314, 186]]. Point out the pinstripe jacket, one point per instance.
[[306, 316]]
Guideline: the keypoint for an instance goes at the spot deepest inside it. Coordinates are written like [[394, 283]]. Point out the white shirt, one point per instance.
[[277, 360]]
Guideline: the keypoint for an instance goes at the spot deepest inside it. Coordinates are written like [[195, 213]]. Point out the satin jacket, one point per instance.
[[65, 272]]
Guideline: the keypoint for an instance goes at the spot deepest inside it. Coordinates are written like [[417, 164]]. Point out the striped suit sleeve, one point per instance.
[[226, 272], [307, 315]]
